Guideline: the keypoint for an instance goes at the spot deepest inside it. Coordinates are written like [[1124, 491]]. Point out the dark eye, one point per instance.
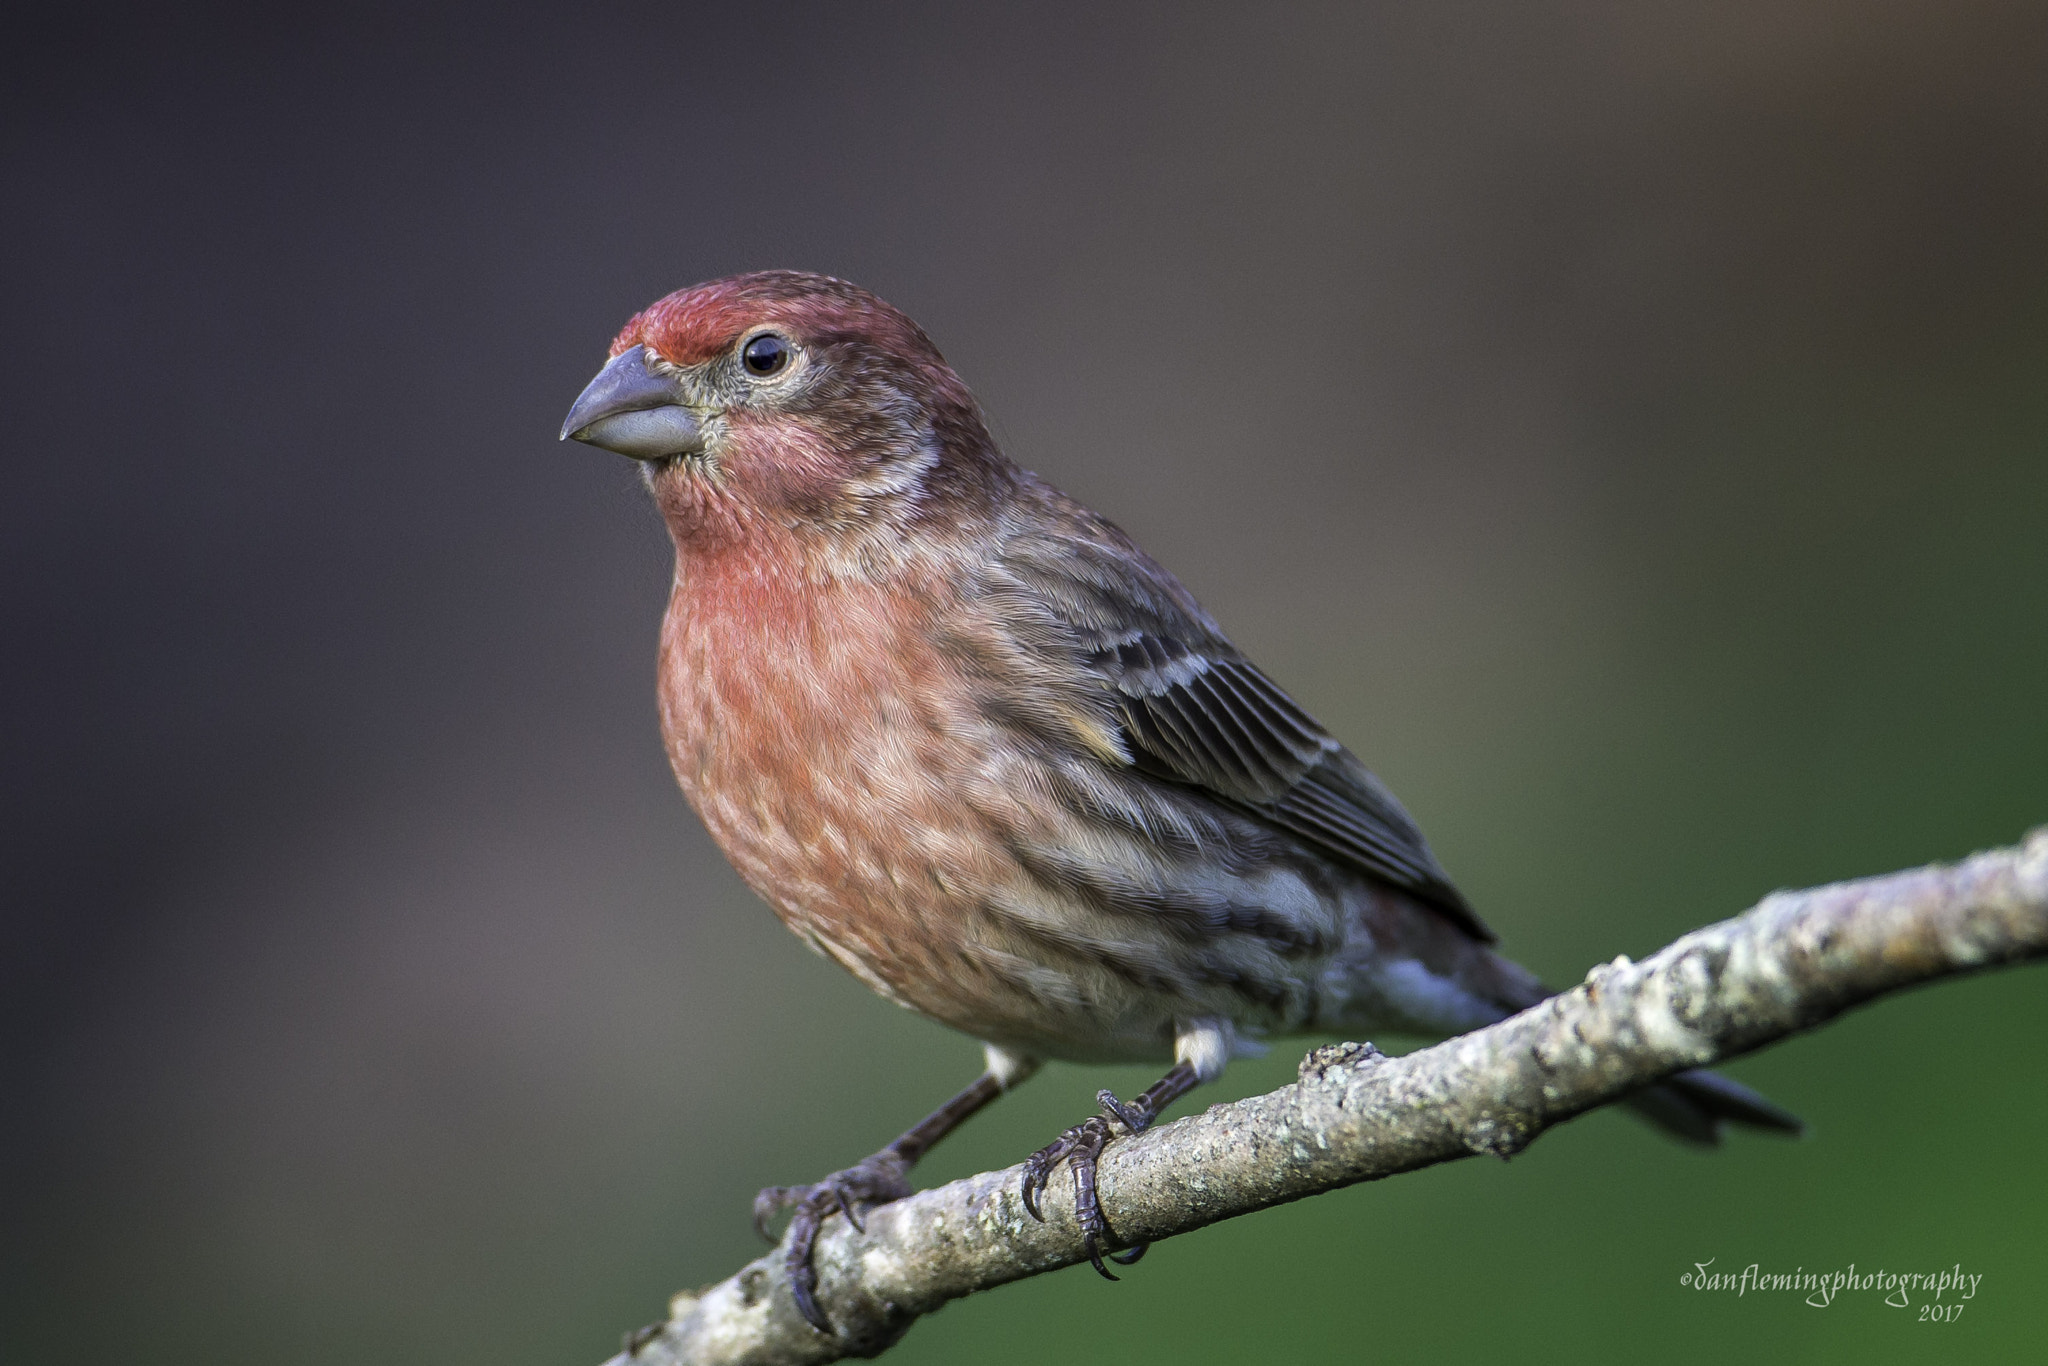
[[766, 354]]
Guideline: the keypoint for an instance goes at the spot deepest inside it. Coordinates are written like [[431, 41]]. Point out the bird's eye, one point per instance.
[[766, 355]]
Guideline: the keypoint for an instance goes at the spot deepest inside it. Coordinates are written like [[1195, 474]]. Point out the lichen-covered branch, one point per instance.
[[1793, 962]]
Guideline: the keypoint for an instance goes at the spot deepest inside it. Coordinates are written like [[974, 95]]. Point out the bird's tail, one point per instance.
[[1694, 1105], [1689, 1105]]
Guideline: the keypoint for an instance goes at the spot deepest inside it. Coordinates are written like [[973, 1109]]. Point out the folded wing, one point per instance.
[[1194, 710]]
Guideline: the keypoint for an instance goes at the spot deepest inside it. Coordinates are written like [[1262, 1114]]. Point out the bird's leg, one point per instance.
[[1080, 1147], [875, 1180]]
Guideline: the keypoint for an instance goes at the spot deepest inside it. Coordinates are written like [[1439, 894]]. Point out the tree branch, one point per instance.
[[1795, 961]]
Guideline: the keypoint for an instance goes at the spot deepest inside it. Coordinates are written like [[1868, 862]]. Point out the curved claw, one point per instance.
[[1095, 1259], [803, 1284], [796, 1260], [770, 1202], [876, 1181], [1125, 1258], [1038, 1167], [1034, 1182]]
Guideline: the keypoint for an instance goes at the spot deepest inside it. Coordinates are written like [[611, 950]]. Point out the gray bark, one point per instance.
[[1793, 962]]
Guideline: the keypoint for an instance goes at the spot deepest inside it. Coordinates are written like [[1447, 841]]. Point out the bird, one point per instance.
[[972, 743]]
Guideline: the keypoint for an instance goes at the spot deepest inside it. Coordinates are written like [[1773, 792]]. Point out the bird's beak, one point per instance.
[[635, 412]]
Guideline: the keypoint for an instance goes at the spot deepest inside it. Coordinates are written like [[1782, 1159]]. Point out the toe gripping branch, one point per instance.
[[1081, 1147], [875, 1180]]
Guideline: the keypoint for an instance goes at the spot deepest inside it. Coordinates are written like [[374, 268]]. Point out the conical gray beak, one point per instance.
[[635, 412]]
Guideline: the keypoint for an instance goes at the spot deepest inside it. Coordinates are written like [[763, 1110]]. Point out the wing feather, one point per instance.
[[1194, 710]]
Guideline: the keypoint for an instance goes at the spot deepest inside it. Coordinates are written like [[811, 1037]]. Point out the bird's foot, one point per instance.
[[1080, 1147], [875, 1180]]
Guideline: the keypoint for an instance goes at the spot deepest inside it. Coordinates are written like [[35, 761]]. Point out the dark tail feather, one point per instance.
[[1693, 1106], [1689, 1105]]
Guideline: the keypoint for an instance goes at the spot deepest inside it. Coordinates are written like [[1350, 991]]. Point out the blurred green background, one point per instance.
[[1626, 425]]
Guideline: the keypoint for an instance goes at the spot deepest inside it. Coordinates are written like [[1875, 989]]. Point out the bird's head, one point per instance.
[[781, 403]]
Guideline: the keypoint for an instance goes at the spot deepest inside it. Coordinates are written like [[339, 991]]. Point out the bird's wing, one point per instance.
[[1192, 709]]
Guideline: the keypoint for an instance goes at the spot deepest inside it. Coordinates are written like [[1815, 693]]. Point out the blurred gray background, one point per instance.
[[1627, 425]]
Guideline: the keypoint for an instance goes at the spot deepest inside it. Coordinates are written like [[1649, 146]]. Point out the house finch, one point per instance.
[[972, 743]]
